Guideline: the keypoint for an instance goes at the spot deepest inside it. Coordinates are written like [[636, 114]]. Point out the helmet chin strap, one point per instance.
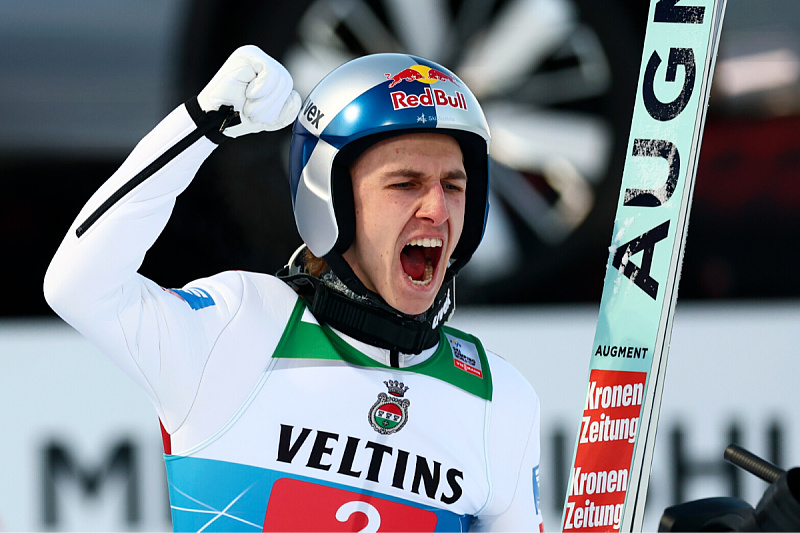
[[342, 301]]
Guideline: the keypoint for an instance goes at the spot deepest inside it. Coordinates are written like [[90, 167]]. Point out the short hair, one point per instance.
[[314, 265]]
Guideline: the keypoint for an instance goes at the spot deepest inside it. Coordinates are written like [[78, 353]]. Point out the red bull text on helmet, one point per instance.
[[424, 74], [401, 100]]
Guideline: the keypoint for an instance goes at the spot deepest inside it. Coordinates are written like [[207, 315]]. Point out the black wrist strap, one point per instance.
[[214, 122]]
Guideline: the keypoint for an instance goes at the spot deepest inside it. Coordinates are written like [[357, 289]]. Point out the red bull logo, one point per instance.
[[420, 73], [431, 97]]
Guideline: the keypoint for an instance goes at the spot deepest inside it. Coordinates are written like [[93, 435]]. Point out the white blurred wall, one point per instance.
[[69, 418]]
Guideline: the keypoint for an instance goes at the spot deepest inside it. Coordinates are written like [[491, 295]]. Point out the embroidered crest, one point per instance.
[[390, 413]]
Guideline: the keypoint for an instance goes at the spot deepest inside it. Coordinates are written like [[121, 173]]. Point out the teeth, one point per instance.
[[427, 243]]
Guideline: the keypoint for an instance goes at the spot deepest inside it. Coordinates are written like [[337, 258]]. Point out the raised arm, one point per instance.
[[93, 281]]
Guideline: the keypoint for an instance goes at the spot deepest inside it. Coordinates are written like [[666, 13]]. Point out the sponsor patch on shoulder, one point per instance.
[[465, 356], [196, 298]]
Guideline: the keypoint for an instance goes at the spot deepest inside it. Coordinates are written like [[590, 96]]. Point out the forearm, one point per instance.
[[94, 270], [88, 270]]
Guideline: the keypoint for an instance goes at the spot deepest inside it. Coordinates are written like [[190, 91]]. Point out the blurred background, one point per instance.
[[82, 81]]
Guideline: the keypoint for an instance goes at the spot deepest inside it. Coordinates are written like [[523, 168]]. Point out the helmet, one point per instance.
[[360, 103]]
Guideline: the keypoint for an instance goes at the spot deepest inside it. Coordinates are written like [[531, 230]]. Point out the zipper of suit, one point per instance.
[[215, 120]]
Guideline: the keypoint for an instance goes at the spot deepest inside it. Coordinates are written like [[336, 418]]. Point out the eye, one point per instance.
[[456, 186]]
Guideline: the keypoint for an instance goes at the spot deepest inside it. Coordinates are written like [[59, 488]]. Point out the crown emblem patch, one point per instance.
[[390, 412]]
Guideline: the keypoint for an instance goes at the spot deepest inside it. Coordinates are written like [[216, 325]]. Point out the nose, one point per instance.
[[433, 205]]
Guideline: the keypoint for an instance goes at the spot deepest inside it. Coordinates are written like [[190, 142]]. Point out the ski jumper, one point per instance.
[[273, 421]]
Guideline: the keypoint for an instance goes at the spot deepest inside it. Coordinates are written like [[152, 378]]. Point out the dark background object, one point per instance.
[[82, 83]]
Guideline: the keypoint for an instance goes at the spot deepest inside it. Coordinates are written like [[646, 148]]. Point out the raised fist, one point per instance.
[[258, 87]]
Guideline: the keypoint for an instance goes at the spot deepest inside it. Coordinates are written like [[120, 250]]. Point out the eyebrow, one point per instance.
[[456, 174]]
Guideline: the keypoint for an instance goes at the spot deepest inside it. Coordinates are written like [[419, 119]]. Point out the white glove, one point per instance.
[[258, 87]]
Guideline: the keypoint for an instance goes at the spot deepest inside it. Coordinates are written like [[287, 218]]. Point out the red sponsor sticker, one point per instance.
[[606, 439], [296, 505], [468, 368]]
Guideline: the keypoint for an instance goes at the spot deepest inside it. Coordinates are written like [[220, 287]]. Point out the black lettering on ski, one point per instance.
[[655, 197], [645, 243], [669, 110], [669, 11]]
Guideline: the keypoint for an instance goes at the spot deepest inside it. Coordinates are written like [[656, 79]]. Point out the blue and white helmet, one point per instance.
[[361, 102]]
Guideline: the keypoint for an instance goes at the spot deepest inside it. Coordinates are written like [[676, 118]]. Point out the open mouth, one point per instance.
[[419, 259]]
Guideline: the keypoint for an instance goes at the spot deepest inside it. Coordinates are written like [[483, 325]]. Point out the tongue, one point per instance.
[[413, 261]]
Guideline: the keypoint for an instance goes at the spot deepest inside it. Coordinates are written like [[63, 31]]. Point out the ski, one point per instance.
[[616, 437]]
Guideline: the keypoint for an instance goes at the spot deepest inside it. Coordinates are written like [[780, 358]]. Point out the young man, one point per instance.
[[330, 397]]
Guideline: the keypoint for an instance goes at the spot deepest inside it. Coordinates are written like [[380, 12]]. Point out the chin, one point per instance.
[[416, 309], [416, 304]]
